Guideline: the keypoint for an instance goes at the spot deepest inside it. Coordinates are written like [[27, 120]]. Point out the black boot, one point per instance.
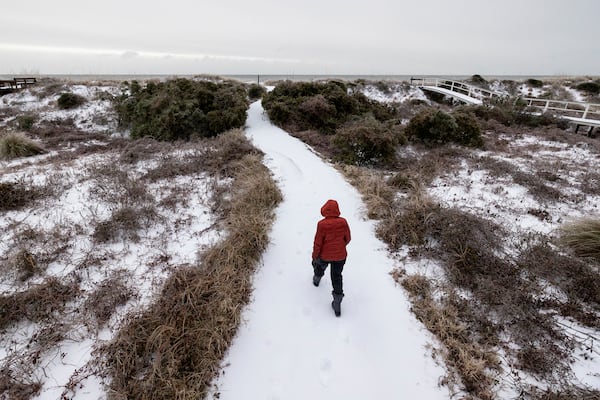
[[336, 304], [316, 280]]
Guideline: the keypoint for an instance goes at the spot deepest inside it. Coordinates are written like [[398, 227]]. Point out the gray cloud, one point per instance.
[[321, 37]]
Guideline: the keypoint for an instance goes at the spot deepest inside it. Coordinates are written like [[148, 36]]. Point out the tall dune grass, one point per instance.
[[17, 145], [583, 237]]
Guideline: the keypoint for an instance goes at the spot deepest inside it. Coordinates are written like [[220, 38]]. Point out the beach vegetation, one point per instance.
[[67, 101], [180, 109], [590, 87], [434, 127], [366, 141], [26, 121], [16, 145], [256, 91], [536, 83]]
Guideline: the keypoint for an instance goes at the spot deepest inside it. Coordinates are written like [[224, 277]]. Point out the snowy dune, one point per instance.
[[290, 346]]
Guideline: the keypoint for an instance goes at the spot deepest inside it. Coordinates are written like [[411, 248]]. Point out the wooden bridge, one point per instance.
[[458, 90], [7, 86], [579, 113]]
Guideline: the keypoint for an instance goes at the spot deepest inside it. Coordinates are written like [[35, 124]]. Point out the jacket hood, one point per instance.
[[330, 209]]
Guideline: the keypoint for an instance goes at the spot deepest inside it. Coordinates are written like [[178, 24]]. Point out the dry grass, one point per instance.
[[15, 385], [468, 361], [124, 224], [38, 303], [500, 303], [536, 184], [376, 194], [583, 237], [24, 264], [105, 299], [565, 393], [174, 348], [17, 145], [16, 195], [407, 220]]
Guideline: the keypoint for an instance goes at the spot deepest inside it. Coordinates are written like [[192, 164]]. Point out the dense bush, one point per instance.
[[478, 79], [256, 91], [181, 108], [513, 113], [320, 106], [468, 132], [434, 127], [536, 83], [589, 87], [67, 101], [366, 142]]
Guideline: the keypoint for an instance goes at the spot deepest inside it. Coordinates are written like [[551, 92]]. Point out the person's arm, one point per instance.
[[318, 243], [347, 236]]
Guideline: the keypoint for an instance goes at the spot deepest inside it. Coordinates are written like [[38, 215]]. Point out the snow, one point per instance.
[[291, 345], [397, 94], [94, 115], [180, 234]]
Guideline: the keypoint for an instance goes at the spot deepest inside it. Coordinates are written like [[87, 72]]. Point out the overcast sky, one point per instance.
[[445, 37]]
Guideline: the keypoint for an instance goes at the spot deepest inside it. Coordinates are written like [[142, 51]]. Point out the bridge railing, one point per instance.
[[458, 87], [571, 109]]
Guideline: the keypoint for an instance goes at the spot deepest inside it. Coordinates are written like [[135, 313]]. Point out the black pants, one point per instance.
[[336, 273]]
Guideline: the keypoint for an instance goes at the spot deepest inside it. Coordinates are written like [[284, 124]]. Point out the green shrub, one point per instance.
[[431, 127], [256, 91], [318, 113], [468, 132], [366, 142], [478, 79], [67, 101], [182, 108], [320, 106], [16, 145], [536, 83], [25, 122], [434, 127], [589, 87]]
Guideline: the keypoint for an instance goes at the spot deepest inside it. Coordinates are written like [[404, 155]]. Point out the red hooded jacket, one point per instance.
[[333, 234]]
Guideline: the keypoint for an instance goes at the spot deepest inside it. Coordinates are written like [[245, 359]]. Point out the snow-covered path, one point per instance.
[[291, 345]]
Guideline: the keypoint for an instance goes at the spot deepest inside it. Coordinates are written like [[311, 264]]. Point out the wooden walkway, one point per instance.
[[461, 91], [8, 86], [579, 113]]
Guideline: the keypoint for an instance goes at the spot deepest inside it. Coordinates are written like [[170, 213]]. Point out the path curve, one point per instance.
[[291, 346]]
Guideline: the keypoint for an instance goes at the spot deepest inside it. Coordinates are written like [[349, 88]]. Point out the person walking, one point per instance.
[[331, 239]]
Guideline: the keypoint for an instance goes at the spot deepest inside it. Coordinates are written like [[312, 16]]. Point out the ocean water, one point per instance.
[[249, 78]]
